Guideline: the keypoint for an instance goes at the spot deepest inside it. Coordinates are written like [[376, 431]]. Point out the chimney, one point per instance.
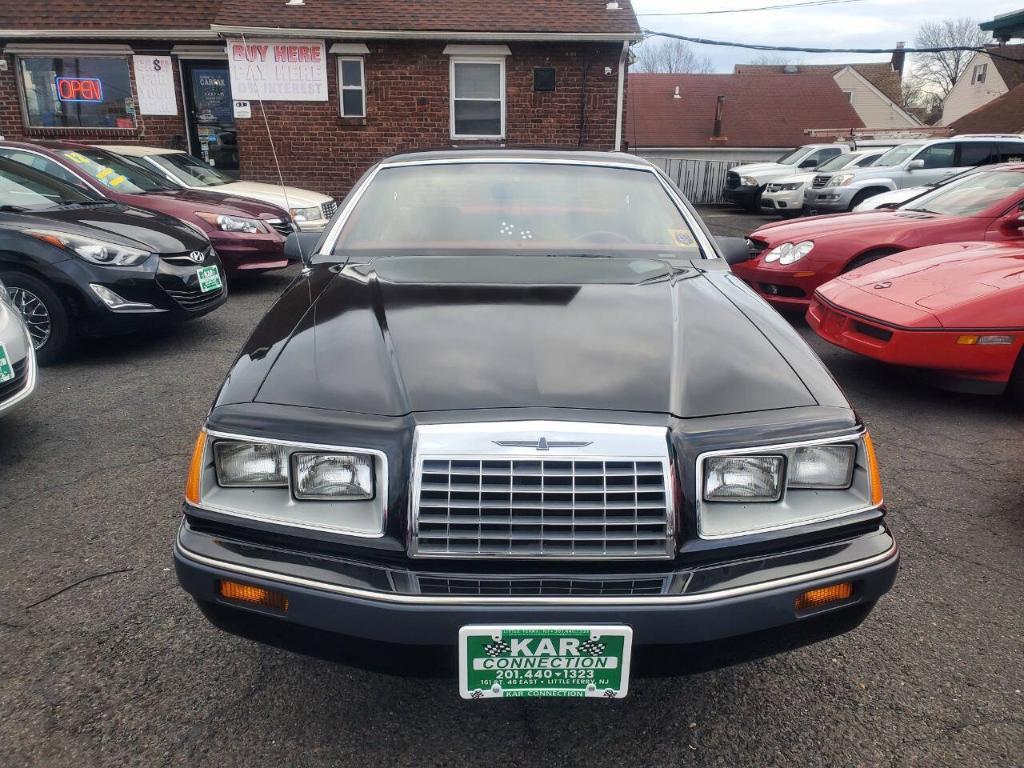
[[717, 134], [898, 57]]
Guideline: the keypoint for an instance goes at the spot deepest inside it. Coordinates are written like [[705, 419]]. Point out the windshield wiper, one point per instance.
[[13, 208], [82, 203]]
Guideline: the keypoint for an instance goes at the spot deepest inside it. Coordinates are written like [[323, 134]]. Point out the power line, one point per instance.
[[805, 4]]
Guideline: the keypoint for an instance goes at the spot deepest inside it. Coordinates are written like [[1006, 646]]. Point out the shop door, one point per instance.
[[210, 113]]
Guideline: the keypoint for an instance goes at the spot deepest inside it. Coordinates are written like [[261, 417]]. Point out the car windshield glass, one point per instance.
[[897, 155], [971, 194], [792, 156], [24, 187], [528, 207], [192, 171], [113, 172], [837, 162]]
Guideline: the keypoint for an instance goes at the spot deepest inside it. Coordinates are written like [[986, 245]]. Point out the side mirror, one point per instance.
[[733, 249], [300, 246], [809, 164], [915, 165]]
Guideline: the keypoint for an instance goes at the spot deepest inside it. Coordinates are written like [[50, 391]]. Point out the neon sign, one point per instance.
[[79, 89]]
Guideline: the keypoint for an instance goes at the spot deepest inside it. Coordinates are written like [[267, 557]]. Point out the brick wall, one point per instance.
[[407, 109]]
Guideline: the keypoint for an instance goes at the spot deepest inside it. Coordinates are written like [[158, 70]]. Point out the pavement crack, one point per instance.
[[62, 590]]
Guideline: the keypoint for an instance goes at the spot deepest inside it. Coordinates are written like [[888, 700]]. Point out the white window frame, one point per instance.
[[342, 87], [849, 94], [979, 73], [498, 61]]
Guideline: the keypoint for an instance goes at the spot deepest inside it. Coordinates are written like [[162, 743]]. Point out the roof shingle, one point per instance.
[[759, 110], [881, 74], [108, 14], [1004, 114], [1012, 72]]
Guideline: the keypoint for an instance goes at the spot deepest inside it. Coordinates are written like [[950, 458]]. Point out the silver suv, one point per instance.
[[914, 164]]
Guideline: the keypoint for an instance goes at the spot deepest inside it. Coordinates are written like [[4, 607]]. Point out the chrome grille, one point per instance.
[[283, 227], [821, 180], [329, 208], [554, 586]]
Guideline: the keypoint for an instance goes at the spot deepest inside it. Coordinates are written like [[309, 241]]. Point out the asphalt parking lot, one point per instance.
[[104, 661]]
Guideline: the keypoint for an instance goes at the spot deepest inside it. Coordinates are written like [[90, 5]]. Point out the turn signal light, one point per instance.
[[817, 598], [984, 340], [195, 469], [253, 595], [876, 479]]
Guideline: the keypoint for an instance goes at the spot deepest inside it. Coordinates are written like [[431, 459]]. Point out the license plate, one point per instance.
[[6, 369], [209, 278], [542, 661]]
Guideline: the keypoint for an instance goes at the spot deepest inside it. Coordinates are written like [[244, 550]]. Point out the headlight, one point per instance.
[[791, 187], [307, 214], [778, 252], [796, 252], [96, 251], [743, 478], [250, 464], [233, 223], [748, 181], [783, 486], [332, 476], [841, 179]]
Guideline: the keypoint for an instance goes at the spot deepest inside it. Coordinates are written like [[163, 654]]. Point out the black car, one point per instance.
[[77, 265], [518, 404]]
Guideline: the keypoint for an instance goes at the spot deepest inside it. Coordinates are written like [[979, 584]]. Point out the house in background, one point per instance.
[[986, 78], [1004, 114], [697, 126], [874, 90]]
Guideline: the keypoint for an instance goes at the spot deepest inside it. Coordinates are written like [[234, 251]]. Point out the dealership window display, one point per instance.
[[76, 92]]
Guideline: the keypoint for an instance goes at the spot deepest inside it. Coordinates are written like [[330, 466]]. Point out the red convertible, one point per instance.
[[791, 259], [956, 310]]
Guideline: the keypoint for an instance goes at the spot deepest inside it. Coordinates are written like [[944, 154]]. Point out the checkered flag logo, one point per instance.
[[497, 648], [592, 647]]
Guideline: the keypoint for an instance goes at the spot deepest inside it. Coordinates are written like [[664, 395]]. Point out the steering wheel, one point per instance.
[[602, 237]]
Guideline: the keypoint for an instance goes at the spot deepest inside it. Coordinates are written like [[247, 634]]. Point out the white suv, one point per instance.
[[745, 183], [914, 164], [786, 195]]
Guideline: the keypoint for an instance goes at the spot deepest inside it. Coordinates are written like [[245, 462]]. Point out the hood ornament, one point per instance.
[[880, 286], [197, 257], [543, 444]]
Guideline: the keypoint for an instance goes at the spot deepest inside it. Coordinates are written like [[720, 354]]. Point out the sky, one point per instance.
[[861, 24]]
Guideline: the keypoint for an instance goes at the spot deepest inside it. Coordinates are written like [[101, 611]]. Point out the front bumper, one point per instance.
[[249, 253], [742, 195], [373, 602], [785, 288], [786, 202], [829, 199], [15, 392]]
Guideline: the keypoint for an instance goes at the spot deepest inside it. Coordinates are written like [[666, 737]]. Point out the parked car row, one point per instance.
[[833, 181], [103, 241], [933, 283]]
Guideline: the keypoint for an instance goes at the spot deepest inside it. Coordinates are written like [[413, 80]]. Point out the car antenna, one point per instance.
[[277, 164]]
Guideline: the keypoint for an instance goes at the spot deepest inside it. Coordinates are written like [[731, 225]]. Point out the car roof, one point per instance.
[[525, 155], [136, 150]]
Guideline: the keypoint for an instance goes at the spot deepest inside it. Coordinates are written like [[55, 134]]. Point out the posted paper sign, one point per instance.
[[154, 81], [278, 70]]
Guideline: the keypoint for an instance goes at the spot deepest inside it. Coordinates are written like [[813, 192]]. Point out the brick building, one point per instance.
[[337, 84]]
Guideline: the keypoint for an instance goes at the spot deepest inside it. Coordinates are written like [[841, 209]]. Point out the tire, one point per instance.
[[754, 206], [863, 195], [45, 314], [1015, 387], [867, 258]]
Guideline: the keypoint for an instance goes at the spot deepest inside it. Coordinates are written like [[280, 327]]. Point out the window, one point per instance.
[[352, 86], [114, 172], [938, 156], [972, 194], [43, 164], [978, 75], [1011, 152], [849, 94], [478, 98], [977, 153], [193, 172], [76, 92], [26, 187]]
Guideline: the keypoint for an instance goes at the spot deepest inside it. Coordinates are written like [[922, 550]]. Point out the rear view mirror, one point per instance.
[[915, 165], [300, 246], [733, 249]]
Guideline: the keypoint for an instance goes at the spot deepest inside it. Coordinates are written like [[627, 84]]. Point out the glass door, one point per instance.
[[211, 118]]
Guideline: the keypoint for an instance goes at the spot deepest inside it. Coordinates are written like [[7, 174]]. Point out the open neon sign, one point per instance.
[[80, 89]]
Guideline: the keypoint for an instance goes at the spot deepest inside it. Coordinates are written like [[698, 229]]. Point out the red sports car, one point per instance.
[[955, 309], [793, 258], [248, 235]]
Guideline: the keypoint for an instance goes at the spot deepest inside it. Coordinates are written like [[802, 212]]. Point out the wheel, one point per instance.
[[861, 196], [867, 258], [1015, 388], [754, 206], [44, 313]]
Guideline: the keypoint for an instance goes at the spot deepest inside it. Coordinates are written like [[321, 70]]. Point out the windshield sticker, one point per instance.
[[115, 181], [682, 238], [76, 158]]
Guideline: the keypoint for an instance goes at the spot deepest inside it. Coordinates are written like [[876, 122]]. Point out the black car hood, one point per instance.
[[418, 334], [124, 225]]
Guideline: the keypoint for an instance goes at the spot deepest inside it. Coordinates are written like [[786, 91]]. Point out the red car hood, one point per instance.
[[874, 226], [216, 202], [954, 285]]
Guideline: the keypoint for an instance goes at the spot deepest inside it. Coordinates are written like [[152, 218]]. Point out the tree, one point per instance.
[[772, 60], [938, 72], [668, 55]]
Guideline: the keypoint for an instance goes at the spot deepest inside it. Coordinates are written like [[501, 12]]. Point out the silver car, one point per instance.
[[17, 358]]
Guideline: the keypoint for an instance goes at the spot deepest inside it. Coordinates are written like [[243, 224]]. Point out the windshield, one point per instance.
[[897, 155], [838, 162], [24, 187], [792, 156], [529, 207], [114, 172], [194, 172], [971, 194]]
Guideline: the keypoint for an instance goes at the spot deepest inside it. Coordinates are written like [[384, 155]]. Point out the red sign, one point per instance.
[[79, 89]]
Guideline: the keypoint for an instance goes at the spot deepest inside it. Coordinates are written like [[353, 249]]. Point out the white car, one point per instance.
[[17, 358], [745, 183], [786, 196], [892, 199], [310, 210]]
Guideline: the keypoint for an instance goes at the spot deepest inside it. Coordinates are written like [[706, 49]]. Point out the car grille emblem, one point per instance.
[[543, 444], [197, 257]]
